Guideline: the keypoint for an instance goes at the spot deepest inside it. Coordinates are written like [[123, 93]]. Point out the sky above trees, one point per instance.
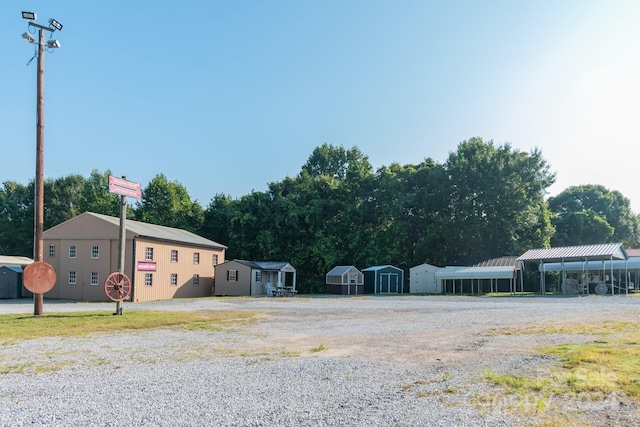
[[227, 97]]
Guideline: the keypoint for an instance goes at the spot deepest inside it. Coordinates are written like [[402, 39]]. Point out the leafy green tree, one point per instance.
[[496, 204], [16, 219], [62, 199], [217, 220], [588, 214], [168, 203], [97, 198]]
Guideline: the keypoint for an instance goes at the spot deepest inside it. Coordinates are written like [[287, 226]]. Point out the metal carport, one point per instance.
[[476, 273], [584, 254]]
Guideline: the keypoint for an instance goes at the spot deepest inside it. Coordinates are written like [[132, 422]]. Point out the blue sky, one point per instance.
[[227, 96]]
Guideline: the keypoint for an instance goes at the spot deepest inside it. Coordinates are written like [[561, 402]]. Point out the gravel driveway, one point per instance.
[[321, 361]]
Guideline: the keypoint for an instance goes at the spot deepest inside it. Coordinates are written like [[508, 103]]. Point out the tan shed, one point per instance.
[[162, 262]]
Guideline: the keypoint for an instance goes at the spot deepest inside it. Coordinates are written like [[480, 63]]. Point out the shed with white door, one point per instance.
[[383, 279], [422, 280]]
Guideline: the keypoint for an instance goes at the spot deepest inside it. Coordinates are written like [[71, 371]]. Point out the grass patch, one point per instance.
[[589, 371], [15, 327], [319, 348]]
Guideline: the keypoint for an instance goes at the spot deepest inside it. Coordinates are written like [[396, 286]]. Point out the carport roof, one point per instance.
[[496, 272], [605, 251]]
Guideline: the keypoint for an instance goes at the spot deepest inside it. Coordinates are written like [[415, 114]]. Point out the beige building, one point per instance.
[[161, 262]]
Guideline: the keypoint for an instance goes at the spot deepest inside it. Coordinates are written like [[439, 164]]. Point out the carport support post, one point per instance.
[[121, 242]]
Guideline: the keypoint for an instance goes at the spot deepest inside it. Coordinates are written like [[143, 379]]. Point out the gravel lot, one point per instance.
[[321, 361]]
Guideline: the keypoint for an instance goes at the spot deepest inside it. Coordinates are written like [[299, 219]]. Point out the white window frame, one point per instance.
[[73, 278], [73, 252], [174, 255], [258, 276], [52, 251], [232, 275], [214, 259], [95, 252], [196, 257], [148, 254], [148, 279], [95, 278], [174, 279]]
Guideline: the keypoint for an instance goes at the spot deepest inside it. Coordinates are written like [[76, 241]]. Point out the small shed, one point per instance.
[[344, 280], [422, 280], [11, 268], [383, 279]]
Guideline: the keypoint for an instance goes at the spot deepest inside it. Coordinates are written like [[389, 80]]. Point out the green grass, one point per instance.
[[586, 371], [15, 327], [319, 348]]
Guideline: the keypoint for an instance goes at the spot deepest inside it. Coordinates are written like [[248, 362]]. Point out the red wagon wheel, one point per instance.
[[117, 287]]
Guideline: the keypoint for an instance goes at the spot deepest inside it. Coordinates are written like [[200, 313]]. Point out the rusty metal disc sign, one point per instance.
[[39, 277], [117, 287]]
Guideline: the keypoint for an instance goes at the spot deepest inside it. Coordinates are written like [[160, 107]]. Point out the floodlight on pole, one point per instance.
[[38, 252], [55, 24], [28, 37]]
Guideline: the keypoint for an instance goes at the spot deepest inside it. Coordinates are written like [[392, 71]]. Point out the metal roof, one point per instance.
[[603, 251], [263, 265], [496, 272], [15, 260], [339, 270], [380, 267], [633, 263], [161, 232]]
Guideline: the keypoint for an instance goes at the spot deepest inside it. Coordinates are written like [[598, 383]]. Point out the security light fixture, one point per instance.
[[54, 44], [55, 24], [29, 15], [28, 37]]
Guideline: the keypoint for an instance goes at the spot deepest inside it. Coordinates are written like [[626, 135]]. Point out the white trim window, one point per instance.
[[214, 259], [73, 252], [174, 255], [232, 275], [148, 254], [95, 278], [52, 251], [95, 252], [196, 257], [148, 279], [196, 280], [258, 276], [72, 278], [174, 279]]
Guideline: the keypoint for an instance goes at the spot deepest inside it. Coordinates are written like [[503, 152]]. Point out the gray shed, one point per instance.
[[344, 280], [11, 276], [10, 281], [383, 279]]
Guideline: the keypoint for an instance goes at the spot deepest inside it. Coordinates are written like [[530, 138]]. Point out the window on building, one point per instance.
[[95, 252], [148, 279], [73, 251], [72, 278], [196, 257], [149, 254], [95, 278], [232, 275], [258, 276], [215, 259], [174, 255], [174, 279], [52, 251], [196, 280]]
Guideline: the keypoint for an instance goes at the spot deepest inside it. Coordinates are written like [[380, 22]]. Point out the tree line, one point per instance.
[[484, 201]]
